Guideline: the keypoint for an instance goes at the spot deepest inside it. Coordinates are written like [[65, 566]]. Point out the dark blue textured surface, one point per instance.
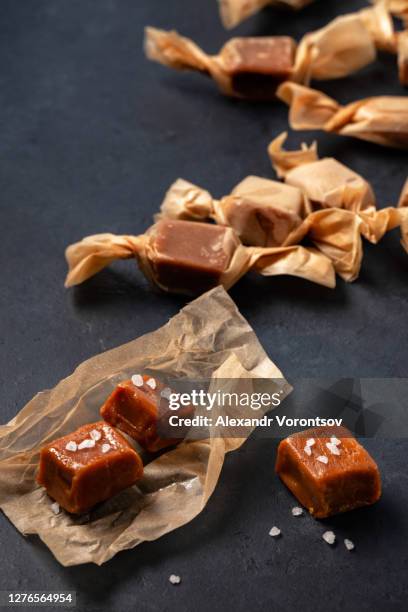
[[91, 137]]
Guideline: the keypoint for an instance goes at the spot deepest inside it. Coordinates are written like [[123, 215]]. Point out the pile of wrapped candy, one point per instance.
[[310, 225]]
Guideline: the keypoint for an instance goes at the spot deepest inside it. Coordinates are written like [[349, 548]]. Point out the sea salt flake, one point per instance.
[[95, 435], [349, 544], [308, 450], [335, 440], [329, 537], [296, 511], [333, 448], [151, 383], [310, 442], [87, 443], [71, 446], [323, 459], [166, 393], [275, 532], [137, 380], [55, 508], [106, 448], [174, 579]]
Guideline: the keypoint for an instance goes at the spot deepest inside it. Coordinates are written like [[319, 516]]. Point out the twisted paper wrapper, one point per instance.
[[399, 8], [89, 256], [234, 11], [329, 184], [381, 119], [344, 46], [261, 211]]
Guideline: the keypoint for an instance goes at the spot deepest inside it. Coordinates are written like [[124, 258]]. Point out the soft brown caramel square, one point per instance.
[[88, 466], [190, 256], [328, 471], [257, 66], [142, 411]]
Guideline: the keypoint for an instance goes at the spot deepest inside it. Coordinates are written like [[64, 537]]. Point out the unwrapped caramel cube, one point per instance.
[[258, 65], [190, 256], [140, 408], [88, 466], [328, 471]]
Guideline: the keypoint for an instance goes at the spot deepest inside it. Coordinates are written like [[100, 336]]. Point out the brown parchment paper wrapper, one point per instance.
[[335, 234], [93, 253], [342, 47], [261, 211], [234, 11], [329, 184], [396, 7], [382, 119], [207, 339], [326, 182]]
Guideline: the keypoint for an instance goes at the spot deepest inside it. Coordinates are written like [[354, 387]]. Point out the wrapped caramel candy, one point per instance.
[[381, 119], [253, 68], [327, 183], [262, 212], [188, 257], [234, 11]]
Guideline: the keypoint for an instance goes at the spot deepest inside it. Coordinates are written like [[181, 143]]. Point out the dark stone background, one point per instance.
[[91, 137]]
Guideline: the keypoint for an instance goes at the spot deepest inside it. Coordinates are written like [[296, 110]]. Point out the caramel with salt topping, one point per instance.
[[79, 479], [350, 478], [142, 412]]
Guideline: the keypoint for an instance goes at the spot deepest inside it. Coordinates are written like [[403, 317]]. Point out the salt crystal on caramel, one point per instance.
[[332, 474], [88, 466], [140, 408]]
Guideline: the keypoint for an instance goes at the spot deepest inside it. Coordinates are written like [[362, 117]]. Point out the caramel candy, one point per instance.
[[257, 66], [263, 212], [190, 256], [141, 410], [328, 471], [88, 466]]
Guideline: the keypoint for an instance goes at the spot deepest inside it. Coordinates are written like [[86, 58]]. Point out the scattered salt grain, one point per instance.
[[333, 448], [87, 443], [71, 446], [95, 435], [296, 511], [151, 383], [106, 448], [335, 440], [349, 544], [55, 508], [323, 459], [308, 450], [329, 537], [275, 532], [174, 579], [137, 380], [310, 442], [166, 393]]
